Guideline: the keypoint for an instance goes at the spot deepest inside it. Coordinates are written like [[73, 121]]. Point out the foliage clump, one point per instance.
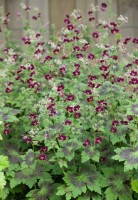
[[69, 112]]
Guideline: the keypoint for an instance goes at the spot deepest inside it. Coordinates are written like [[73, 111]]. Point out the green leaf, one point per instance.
[[2, 181], [129, 155], [110, 195], [4, 193], [87, 176], [90, 153], [116, 179], [4, 163], [134, 185]]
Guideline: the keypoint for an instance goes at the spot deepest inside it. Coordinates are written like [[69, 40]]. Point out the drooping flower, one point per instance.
[[6, 131], [89, 99], [77, 114], [115, 122], [62, 137], [95, 35], [43, 149], [42, 157], [98, 140], [113, 129], [86, 142], [103, 6]]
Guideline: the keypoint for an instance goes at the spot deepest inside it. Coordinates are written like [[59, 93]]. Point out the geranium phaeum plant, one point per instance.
[[69, 112]]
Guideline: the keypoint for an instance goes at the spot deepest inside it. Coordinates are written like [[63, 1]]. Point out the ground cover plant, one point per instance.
[[69, 112]]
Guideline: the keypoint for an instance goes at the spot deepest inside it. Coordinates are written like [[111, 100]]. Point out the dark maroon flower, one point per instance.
[[37, 35], [34, 123], [79, 17], [106, 26], [32, 73], [18, 77], [77, 31], [128, 65], [76, 73], [27, 8], [76, 108], [42, 157], [68, 122], [70, 97], [105, 53], [6, 131], [27, 139], [56, 51], [91, 19], [19, 71], [102, 103], [67, 21], [113, 129], [104, 68], [126, 40], [133, 73], [114, 30], [92, 78], [76, 48], [26, 40], [22, 67], [62, 70], [75, 38], [88, 92], [124, 122], [86, 142], [52, 112], [51, 99], [98, 140], [89, 99], [70, 27], [135, 40], [34, 17], [115, 57], [51, 106], [79, 55], [91, 84], [8, 90], [48, 58], [77, 66], [99, 109], [70, 109], [136, 62], [120, 79], [130, 117], [113, 24], [133, 81], [95, 35], [91, 56], [77, 114], [43, 149], [62, 137], [32, 115], [102, 159], [103, 6], [30, 80], [90, 12], [115, 122], [6, 124], [60, 87], [98, 85], [48, 77]]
